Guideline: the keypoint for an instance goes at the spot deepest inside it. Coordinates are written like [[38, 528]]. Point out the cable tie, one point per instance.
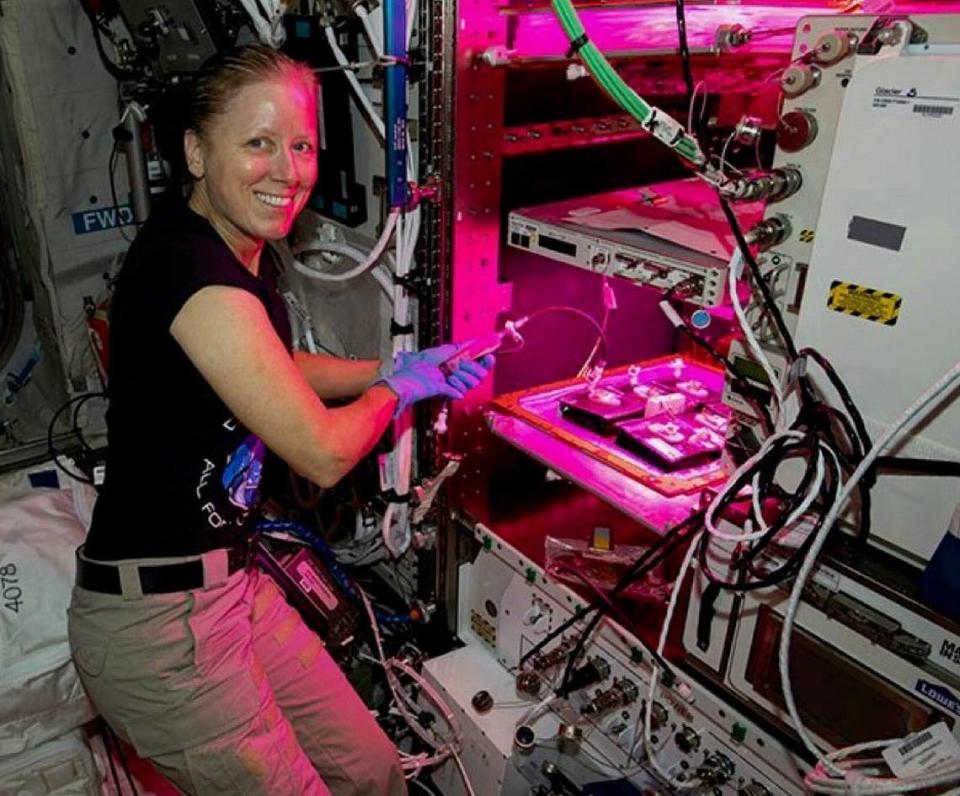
[[409, 280], [578, 44], [396, 330], [664, 128], [391, 496], [393, 60]]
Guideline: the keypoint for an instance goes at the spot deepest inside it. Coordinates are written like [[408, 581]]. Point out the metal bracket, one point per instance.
[[889, 32]]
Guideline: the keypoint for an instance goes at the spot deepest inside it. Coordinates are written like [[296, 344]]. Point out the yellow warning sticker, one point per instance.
[[864, 302], [806, 235]]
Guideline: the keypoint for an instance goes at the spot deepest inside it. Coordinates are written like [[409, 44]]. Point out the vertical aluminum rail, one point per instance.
[[395, 100]]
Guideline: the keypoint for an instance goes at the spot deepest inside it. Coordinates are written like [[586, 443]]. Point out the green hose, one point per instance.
[[604, 74]]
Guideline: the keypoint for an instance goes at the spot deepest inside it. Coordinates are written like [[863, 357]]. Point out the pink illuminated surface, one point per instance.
[[654, 27], [534, 421], [621, 30]]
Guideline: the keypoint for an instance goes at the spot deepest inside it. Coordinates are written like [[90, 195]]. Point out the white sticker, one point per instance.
[[311, 583], [923, 751], [915, 103], [946, 648], [827, 578]]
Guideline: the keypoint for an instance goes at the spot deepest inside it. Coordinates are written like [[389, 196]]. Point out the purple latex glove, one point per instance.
[[469, 373], [417, 375]]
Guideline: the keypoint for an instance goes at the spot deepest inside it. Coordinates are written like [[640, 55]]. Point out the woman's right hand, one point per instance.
[[417, 377]]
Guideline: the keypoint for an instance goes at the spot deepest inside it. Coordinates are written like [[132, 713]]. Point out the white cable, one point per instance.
[[372, 115], [402, 453], [723, 154], [381, 272], [733, 275], [362, 267], [693, 101], [402, 701], [412, 8], [136, 110], [376, 45], [537, 710], [911, 417], [655, 675], [383, 276], [819, 780], [267, 24], [333, 246], [406, 240], [709, 517], [463, 773]]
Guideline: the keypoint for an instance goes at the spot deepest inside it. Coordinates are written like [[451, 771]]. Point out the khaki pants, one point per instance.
[[228, 692]]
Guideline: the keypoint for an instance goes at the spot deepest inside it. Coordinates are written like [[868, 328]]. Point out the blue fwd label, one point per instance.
[[101, 218], [942, 696]]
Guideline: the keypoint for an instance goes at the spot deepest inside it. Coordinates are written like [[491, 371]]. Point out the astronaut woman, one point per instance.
[[192, 657]]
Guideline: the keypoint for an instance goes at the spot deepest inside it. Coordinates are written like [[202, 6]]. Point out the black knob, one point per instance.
[[482, 701]]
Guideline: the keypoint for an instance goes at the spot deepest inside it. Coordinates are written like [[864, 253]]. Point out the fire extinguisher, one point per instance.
[[98, 328]]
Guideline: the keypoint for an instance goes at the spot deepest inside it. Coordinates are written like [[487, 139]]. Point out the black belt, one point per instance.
[[154, 578]]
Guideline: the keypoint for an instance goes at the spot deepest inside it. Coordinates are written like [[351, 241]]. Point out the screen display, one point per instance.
[[840, 701], [749, 369], [556, 245]]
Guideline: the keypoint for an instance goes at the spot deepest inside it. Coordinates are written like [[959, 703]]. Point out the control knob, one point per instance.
[[769, 232], [796, 130], [799, 78], [832, 47], [717, 769], [687, 740]]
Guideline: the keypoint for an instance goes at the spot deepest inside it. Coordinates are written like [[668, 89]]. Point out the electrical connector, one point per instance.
[[593, 671], [664, 127]]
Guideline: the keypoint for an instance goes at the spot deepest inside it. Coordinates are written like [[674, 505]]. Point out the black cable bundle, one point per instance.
[[650, 558], [77, 402], [118, 72], [745, 561]]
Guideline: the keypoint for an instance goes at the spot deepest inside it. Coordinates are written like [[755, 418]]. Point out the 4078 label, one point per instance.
[[10, 590]]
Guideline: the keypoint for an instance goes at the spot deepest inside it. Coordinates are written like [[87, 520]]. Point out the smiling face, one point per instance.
[[255, 163]]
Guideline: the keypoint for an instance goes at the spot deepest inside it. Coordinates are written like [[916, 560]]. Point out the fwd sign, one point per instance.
[[101, 218]]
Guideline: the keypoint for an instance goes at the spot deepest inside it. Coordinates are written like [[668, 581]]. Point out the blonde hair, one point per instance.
[[225, 75]]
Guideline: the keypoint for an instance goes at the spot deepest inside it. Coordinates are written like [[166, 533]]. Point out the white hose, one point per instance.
[[267, 21], [402, 453], [372, 115], [733, 275], [364, 264], [709, 518], [409, 709], [842, 781], [375, 44], [412, 7], [691, 783]]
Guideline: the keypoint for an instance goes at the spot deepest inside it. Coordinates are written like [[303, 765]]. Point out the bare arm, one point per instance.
[[227, 335], [333, 377]]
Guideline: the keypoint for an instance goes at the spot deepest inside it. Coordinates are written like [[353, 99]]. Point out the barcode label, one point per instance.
[[930, 749], [912, 744], [933, 110]]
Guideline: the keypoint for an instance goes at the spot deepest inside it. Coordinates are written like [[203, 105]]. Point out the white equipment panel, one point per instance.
[[881, 292], [507, 604]]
